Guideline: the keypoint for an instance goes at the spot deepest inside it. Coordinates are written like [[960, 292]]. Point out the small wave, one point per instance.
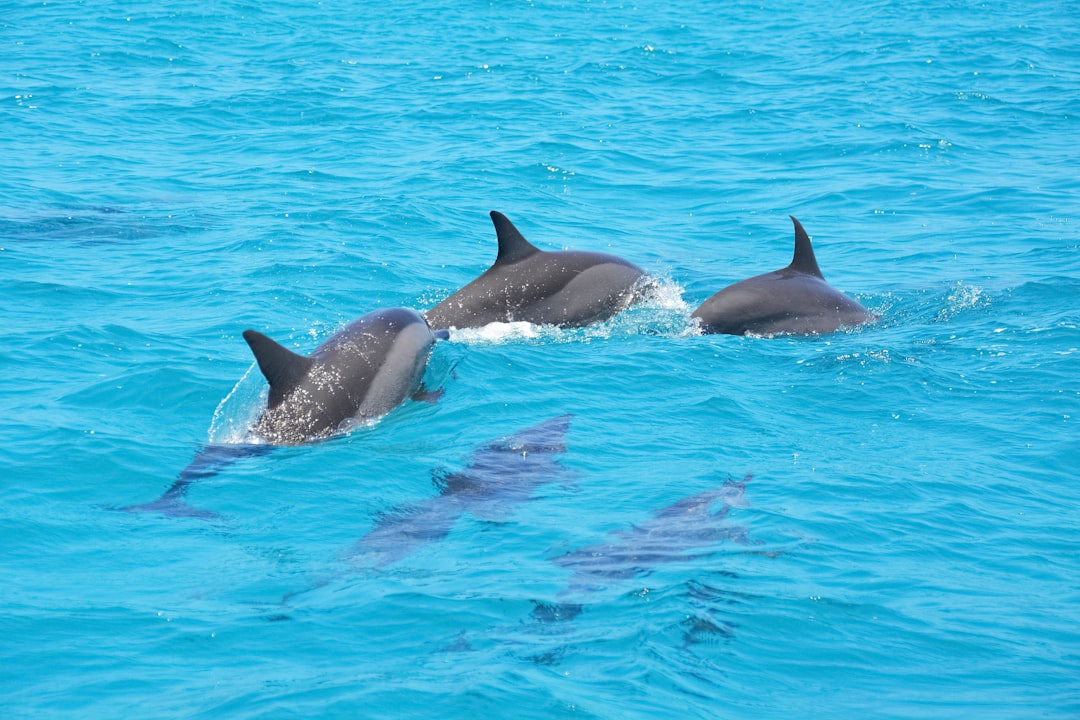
[[236, 413], [664, 294], [962, 298]]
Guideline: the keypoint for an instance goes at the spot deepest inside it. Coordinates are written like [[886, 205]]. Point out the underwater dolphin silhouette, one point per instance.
[[795, 299], [359, 374], [569, 288], [502, 474], [685, 530]]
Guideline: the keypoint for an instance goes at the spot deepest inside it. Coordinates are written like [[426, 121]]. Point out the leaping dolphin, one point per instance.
[[795, 299], [569, 288]]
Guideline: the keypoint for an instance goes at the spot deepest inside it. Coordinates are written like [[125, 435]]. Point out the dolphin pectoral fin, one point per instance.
[[281, 367], [512, 244]]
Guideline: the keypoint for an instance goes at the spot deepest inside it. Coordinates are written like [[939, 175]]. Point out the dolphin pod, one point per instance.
[[375, 363], [572, 288]]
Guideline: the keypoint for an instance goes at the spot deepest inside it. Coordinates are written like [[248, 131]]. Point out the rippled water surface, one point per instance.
[[885, 523]]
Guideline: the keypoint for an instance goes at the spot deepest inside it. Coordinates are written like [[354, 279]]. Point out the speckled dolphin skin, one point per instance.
[[360, 373]]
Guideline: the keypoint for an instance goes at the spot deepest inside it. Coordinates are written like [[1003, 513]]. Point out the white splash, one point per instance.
[[962, 298], [496, 333], [236, 413]]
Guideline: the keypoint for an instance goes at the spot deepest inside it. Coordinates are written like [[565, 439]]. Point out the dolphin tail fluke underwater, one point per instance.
[[210, 461], [172, 503]]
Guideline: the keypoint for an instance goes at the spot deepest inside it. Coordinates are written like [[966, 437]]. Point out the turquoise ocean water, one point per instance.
[[906, 543]]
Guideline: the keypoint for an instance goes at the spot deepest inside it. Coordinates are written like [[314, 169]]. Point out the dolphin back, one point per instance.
[[360, 373], [568, 288], [793, 300]]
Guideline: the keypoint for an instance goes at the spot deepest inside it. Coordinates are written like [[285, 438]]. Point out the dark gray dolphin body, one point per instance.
[[360, 373], [567, 288], [503, 474], [795, 300]]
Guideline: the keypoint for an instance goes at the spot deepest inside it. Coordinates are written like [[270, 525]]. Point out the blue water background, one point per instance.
[[176, 173]]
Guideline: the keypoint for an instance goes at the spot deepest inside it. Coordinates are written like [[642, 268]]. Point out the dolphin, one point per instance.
[[685, 530], [794, 300], [503, 474], [359, 374], [568, 288]]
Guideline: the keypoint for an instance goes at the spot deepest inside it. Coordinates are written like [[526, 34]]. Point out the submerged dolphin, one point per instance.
[[686, 530], [568, 288], [503, 474], [360, 373], [795, 299]]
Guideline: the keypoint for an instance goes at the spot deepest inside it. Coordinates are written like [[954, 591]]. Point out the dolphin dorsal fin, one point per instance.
[[804, 260], [281, 367], [512, 244]]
